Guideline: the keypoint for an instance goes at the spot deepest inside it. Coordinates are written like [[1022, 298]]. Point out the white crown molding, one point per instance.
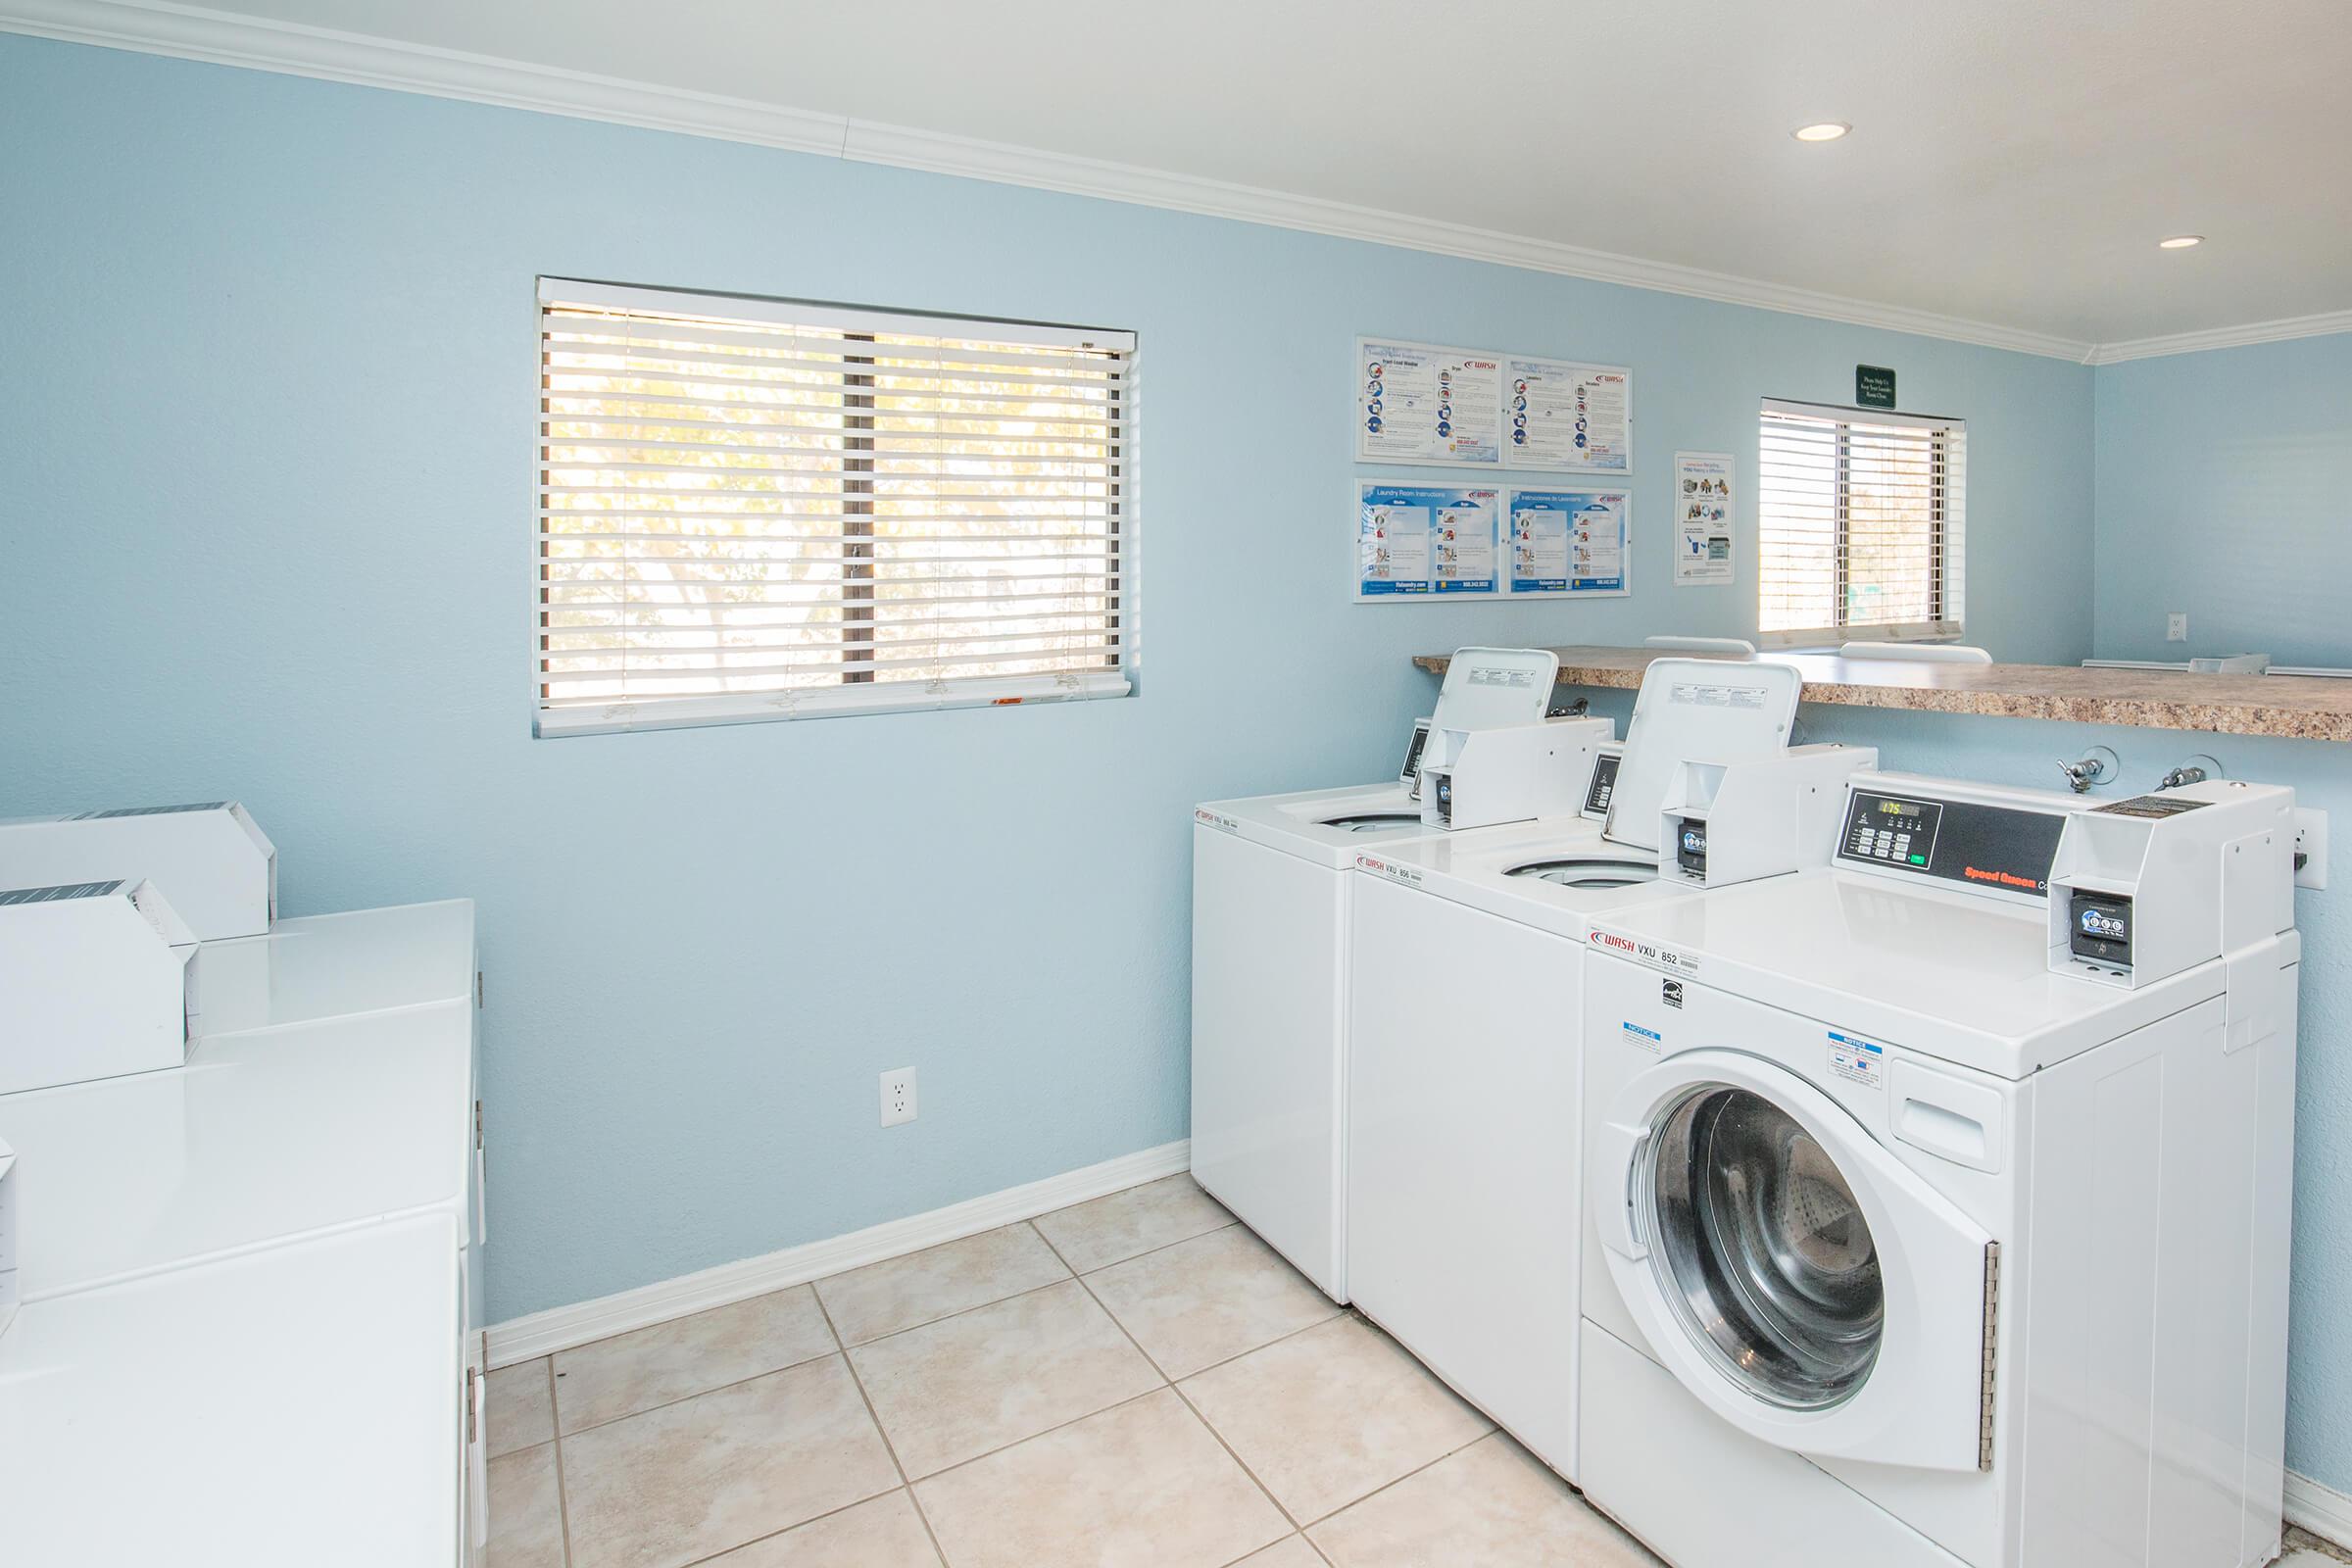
[[2323, 1510], [2224, 337], [194, 32], [564, 1328], [256, 44]]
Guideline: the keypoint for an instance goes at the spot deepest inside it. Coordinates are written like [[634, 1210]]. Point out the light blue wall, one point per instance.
[[2224, 489], [266, 408]]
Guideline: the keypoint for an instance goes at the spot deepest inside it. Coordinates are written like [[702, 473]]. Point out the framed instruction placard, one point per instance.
[[1421, 402], [1570, 542], [1702, 517], [1564, 416], [1426, 541]]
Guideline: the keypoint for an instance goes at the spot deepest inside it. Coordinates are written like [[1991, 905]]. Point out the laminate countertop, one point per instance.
[[2301, 707]]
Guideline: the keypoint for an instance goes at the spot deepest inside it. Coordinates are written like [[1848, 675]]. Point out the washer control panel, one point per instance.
[[1969, 842], [1603, 785]]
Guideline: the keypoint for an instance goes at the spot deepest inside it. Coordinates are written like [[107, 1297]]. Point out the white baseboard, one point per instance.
[[2323, 1510], [562, 1328]]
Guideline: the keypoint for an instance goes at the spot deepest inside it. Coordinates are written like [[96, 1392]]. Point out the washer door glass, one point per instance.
[[1762, 1248]]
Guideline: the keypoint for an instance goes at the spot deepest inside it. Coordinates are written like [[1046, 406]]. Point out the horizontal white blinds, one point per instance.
[[746, 497], [1859, 519]]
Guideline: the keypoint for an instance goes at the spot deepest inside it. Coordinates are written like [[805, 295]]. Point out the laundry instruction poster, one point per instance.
[[1426, 540], [1702, 519], [1417, 402], [1570, 541], [1563, 416]]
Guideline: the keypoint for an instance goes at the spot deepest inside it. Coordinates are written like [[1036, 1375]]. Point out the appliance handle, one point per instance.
[[1616, 1152]]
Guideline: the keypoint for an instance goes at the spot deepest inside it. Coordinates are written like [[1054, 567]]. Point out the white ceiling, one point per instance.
[[2013, 161]]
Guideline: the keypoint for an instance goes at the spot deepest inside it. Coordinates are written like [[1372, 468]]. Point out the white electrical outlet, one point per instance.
[[2176, 626], [898, 1096], [2310, 847]]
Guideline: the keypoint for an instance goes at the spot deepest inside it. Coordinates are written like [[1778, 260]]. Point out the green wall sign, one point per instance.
[[1873, 386]]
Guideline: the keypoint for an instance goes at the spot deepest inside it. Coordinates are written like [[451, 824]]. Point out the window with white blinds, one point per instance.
[[1859, 516], [757, 508]]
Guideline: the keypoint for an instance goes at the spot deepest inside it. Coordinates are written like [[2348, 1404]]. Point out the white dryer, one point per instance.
[[1270, 944], [1937, 1199], [1462, 1163]]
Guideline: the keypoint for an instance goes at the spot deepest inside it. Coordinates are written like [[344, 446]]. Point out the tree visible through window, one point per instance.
[[752, 508], [1859, 518]]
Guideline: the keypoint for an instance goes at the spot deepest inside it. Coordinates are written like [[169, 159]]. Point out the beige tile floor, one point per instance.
[[1135, 1381]]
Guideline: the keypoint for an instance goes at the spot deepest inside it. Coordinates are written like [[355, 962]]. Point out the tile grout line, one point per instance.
[[562, 1498], [841, 1346], [715, 1388], [1119, 1262], [814, 1518], [1046, 1431], [1104, 1308], [906, 1482], [909, 1328], [1492, 1430], [1211, 1427]]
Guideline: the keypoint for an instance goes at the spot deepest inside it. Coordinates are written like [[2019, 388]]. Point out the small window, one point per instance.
[[1859, 519], [758, 508]]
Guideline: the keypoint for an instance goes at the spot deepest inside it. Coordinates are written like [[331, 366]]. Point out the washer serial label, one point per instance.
[[1648, 952], [1402, 874], [1857, 1060]]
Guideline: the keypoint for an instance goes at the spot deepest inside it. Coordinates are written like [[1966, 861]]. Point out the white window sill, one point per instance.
[[831, 702], [1828, 640]]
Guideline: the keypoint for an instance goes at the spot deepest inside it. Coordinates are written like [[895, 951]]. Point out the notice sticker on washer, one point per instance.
[[1857, 1060], [1641, 1039], [1223, 824], [1692, 694]]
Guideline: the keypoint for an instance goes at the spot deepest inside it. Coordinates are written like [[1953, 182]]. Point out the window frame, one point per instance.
[[1947, 565], [851, 695]]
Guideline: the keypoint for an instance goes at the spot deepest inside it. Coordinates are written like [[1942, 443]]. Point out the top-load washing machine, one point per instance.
[[1463, 1022], [1938, 1199], [1270, 946]]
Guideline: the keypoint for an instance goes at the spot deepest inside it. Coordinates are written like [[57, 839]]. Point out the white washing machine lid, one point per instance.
[[1697, 710], [1326, 827], [299, 1131], [1953, 975], [1489, 688], [1501, 870]]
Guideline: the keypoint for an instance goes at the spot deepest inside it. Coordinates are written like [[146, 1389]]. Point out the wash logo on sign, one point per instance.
[[1403, 874], [1648, 952]]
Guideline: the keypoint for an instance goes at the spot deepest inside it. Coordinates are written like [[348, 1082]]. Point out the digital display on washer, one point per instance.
[[1956, 841]]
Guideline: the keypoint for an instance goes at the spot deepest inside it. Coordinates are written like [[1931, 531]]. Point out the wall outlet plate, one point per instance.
[[2310, 847], [2176, 626], [898, 1096]]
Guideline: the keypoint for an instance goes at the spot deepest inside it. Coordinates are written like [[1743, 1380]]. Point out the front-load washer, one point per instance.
[[1270, 946], [1463, 1162], [1937, 1199]]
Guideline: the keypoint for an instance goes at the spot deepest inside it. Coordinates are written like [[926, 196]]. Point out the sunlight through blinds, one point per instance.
[[1859, 519], [754, 504]]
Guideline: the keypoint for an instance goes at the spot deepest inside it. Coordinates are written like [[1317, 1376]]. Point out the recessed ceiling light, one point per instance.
[[2180, 242], [1827, 130]]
